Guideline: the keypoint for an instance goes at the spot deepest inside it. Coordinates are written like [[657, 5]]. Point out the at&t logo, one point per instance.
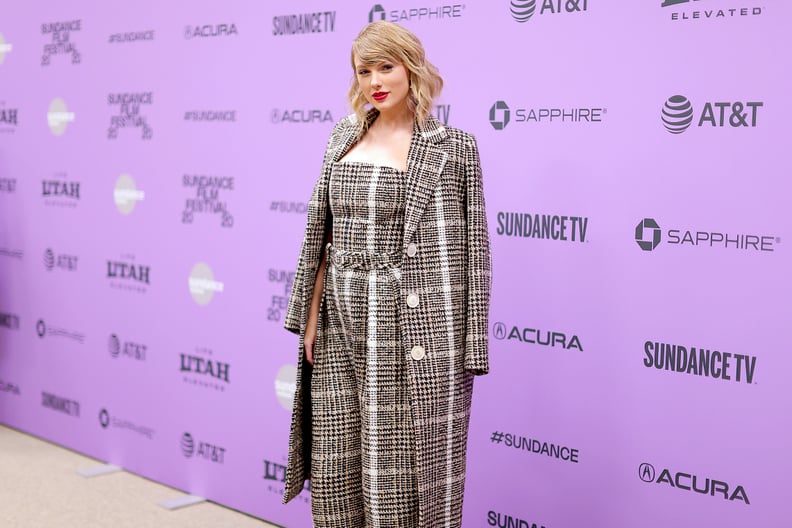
[[647, 234], [523, 10], [678, 114], [190, 448]]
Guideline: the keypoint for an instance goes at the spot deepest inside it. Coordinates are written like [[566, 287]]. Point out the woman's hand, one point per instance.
[[310, 336]]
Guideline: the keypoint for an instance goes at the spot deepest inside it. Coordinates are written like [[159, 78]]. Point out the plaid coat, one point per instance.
[[446, 263]]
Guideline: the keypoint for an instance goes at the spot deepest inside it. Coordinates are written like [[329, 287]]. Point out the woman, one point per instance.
[[392, 317]]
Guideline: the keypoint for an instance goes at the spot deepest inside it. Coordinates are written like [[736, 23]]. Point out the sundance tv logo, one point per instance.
[[419, 13], [523, 10], [692, 10], [649, 235], [678, 114], [500, 114], [690, 482], [303, 23]]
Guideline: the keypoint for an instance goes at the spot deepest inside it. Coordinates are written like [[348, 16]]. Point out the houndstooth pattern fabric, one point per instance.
[[363, 452], [446, 276]]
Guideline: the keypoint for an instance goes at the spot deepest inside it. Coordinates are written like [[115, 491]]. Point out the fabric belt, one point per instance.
[[362, 260]]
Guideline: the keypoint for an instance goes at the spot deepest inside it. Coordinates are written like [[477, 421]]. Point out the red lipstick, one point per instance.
[[379, 96]]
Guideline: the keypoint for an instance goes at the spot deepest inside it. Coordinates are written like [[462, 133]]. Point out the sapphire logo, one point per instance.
[[187, 445], [647, 234], [104, 418], [522, 11], [499, 115], [377, 13], [416, 13], [677, 114]]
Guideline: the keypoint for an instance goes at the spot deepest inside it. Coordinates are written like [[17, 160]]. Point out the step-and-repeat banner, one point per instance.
[[155, 163]]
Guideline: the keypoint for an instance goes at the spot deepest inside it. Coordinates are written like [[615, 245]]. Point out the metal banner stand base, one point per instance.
[[182, 502], [105, 469]]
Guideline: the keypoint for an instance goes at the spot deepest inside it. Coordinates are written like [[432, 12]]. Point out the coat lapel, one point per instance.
[[425, 162]]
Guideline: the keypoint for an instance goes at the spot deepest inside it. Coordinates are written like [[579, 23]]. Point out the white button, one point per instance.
[[412, 249], [412, 300], [417, 353]]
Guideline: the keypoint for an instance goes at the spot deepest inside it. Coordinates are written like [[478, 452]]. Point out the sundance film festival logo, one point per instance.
[[562, 228], [501, 114], [418, 13], [694, 483], [61, 44], [59, 116], [300, 116], [129, 116], [131, 36], [60, 404], [5, 47], [202, 284], [678, 114], [211, 30], [107, 420], [47, 330], [207, 199], [126, 349], [280, 301], [9, 321], [703, 362], [202, 369], [535, 336], [9, 387], [60, 261], [523, 10], [9, 119], [126, 274], [710, 10], [502, 519], [649, 235], [203, 450], [126, 194], [303, 23]]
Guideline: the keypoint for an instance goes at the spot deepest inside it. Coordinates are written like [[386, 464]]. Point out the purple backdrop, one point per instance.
[[155, 161]]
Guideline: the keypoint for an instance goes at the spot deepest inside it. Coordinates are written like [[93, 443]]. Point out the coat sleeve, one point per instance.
[[479, 266], [306, 267]]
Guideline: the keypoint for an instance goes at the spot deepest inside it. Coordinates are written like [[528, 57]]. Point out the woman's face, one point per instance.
[[386, 85]]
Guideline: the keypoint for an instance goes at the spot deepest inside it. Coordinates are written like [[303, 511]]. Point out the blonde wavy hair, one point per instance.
[[386, 41]]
